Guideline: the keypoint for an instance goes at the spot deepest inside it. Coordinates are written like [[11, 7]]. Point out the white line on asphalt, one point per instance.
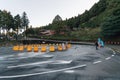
[[69, 71], [96, 62], [107, 58], [44, 62], [112, 55], [22, 65], [53, 71], [62, 62]]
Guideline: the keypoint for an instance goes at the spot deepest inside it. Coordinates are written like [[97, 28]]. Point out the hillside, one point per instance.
[[89, 25]]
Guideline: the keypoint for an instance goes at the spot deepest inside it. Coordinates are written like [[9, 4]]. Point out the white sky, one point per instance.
[[42, 12]]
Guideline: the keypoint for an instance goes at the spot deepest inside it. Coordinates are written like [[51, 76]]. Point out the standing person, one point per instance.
[[102, 44], [96, 44], [99, 42]]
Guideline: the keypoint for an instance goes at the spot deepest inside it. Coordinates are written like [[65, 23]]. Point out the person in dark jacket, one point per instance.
[[96, 44]]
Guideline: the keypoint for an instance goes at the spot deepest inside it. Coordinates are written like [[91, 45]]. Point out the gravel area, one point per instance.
[[115, 47]]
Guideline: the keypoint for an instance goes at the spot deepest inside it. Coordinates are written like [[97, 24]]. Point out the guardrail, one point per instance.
[[39, 41], [111, 42]]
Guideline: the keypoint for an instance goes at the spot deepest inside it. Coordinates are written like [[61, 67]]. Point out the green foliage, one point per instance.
[[86, 34], [17, 22], [57, 19], [25, 20], [6, 20], [111, 27], [87, 26], [84, 20], [30, 31]]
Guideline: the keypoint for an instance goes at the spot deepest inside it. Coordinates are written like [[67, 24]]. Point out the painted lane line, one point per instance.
[[62, 62], [44, 62], [29, 64], [53, 71], [107, 58], [69, 71], [112, 55], [96, 62], [19, 58], [47, 56]]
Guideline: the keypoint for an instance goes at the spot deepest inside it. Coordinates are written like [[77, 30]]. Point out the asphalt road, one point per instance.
[[80, 62]]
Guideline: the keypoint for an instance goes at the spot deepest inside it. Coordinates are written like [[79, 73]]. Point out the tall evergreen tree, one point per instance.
[[17, 23], [25, 21]]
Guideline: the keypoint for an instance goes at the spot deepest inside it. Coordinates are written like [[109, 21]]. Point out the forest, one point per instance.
[[102, 20], [8, 21]]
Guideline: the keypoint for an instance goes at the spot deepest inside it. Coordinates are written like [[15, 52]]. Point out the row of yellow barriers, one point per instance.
[[42, 47]]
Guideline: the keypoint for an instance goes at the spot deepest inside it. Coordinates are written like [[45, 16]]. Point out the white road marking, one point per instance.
[[62, 62], [44, 62], [6, 56], [29, 64], [47, 56], [107, 58], [69, 71], [112, 55], [19, 58], [53, 71], [30, 56], [96, 62]]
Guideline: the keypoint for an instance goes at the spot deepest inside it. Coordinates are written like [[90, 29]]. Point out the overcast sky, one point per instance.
[[42, 12]]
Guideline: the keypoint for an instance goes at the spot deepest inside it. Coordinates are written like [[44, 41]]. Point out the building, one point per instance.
[[48, 32]]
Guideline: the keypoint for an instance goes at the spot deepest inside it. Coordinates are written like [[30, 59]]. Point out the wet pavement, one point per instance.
[[80, 62]]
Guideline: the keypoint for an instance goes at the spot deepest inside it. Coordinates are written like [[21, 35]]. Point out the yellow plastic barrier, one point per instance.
[[68, 45], [59, 48], [29, 48], [25, 46], [36, 49], [15, 48], [52, 49], [43, 48], [21, 48]]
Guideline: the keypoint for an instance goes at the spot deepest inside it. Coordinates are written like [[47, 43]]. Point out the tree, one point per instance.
[[111, 27], [25, 21], [0, 21], [7, 21], [17, 23], [57, 19]]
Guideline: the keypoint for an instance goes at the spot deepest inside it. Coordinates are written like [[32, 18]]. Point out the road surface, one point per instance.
[[80, 62]]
